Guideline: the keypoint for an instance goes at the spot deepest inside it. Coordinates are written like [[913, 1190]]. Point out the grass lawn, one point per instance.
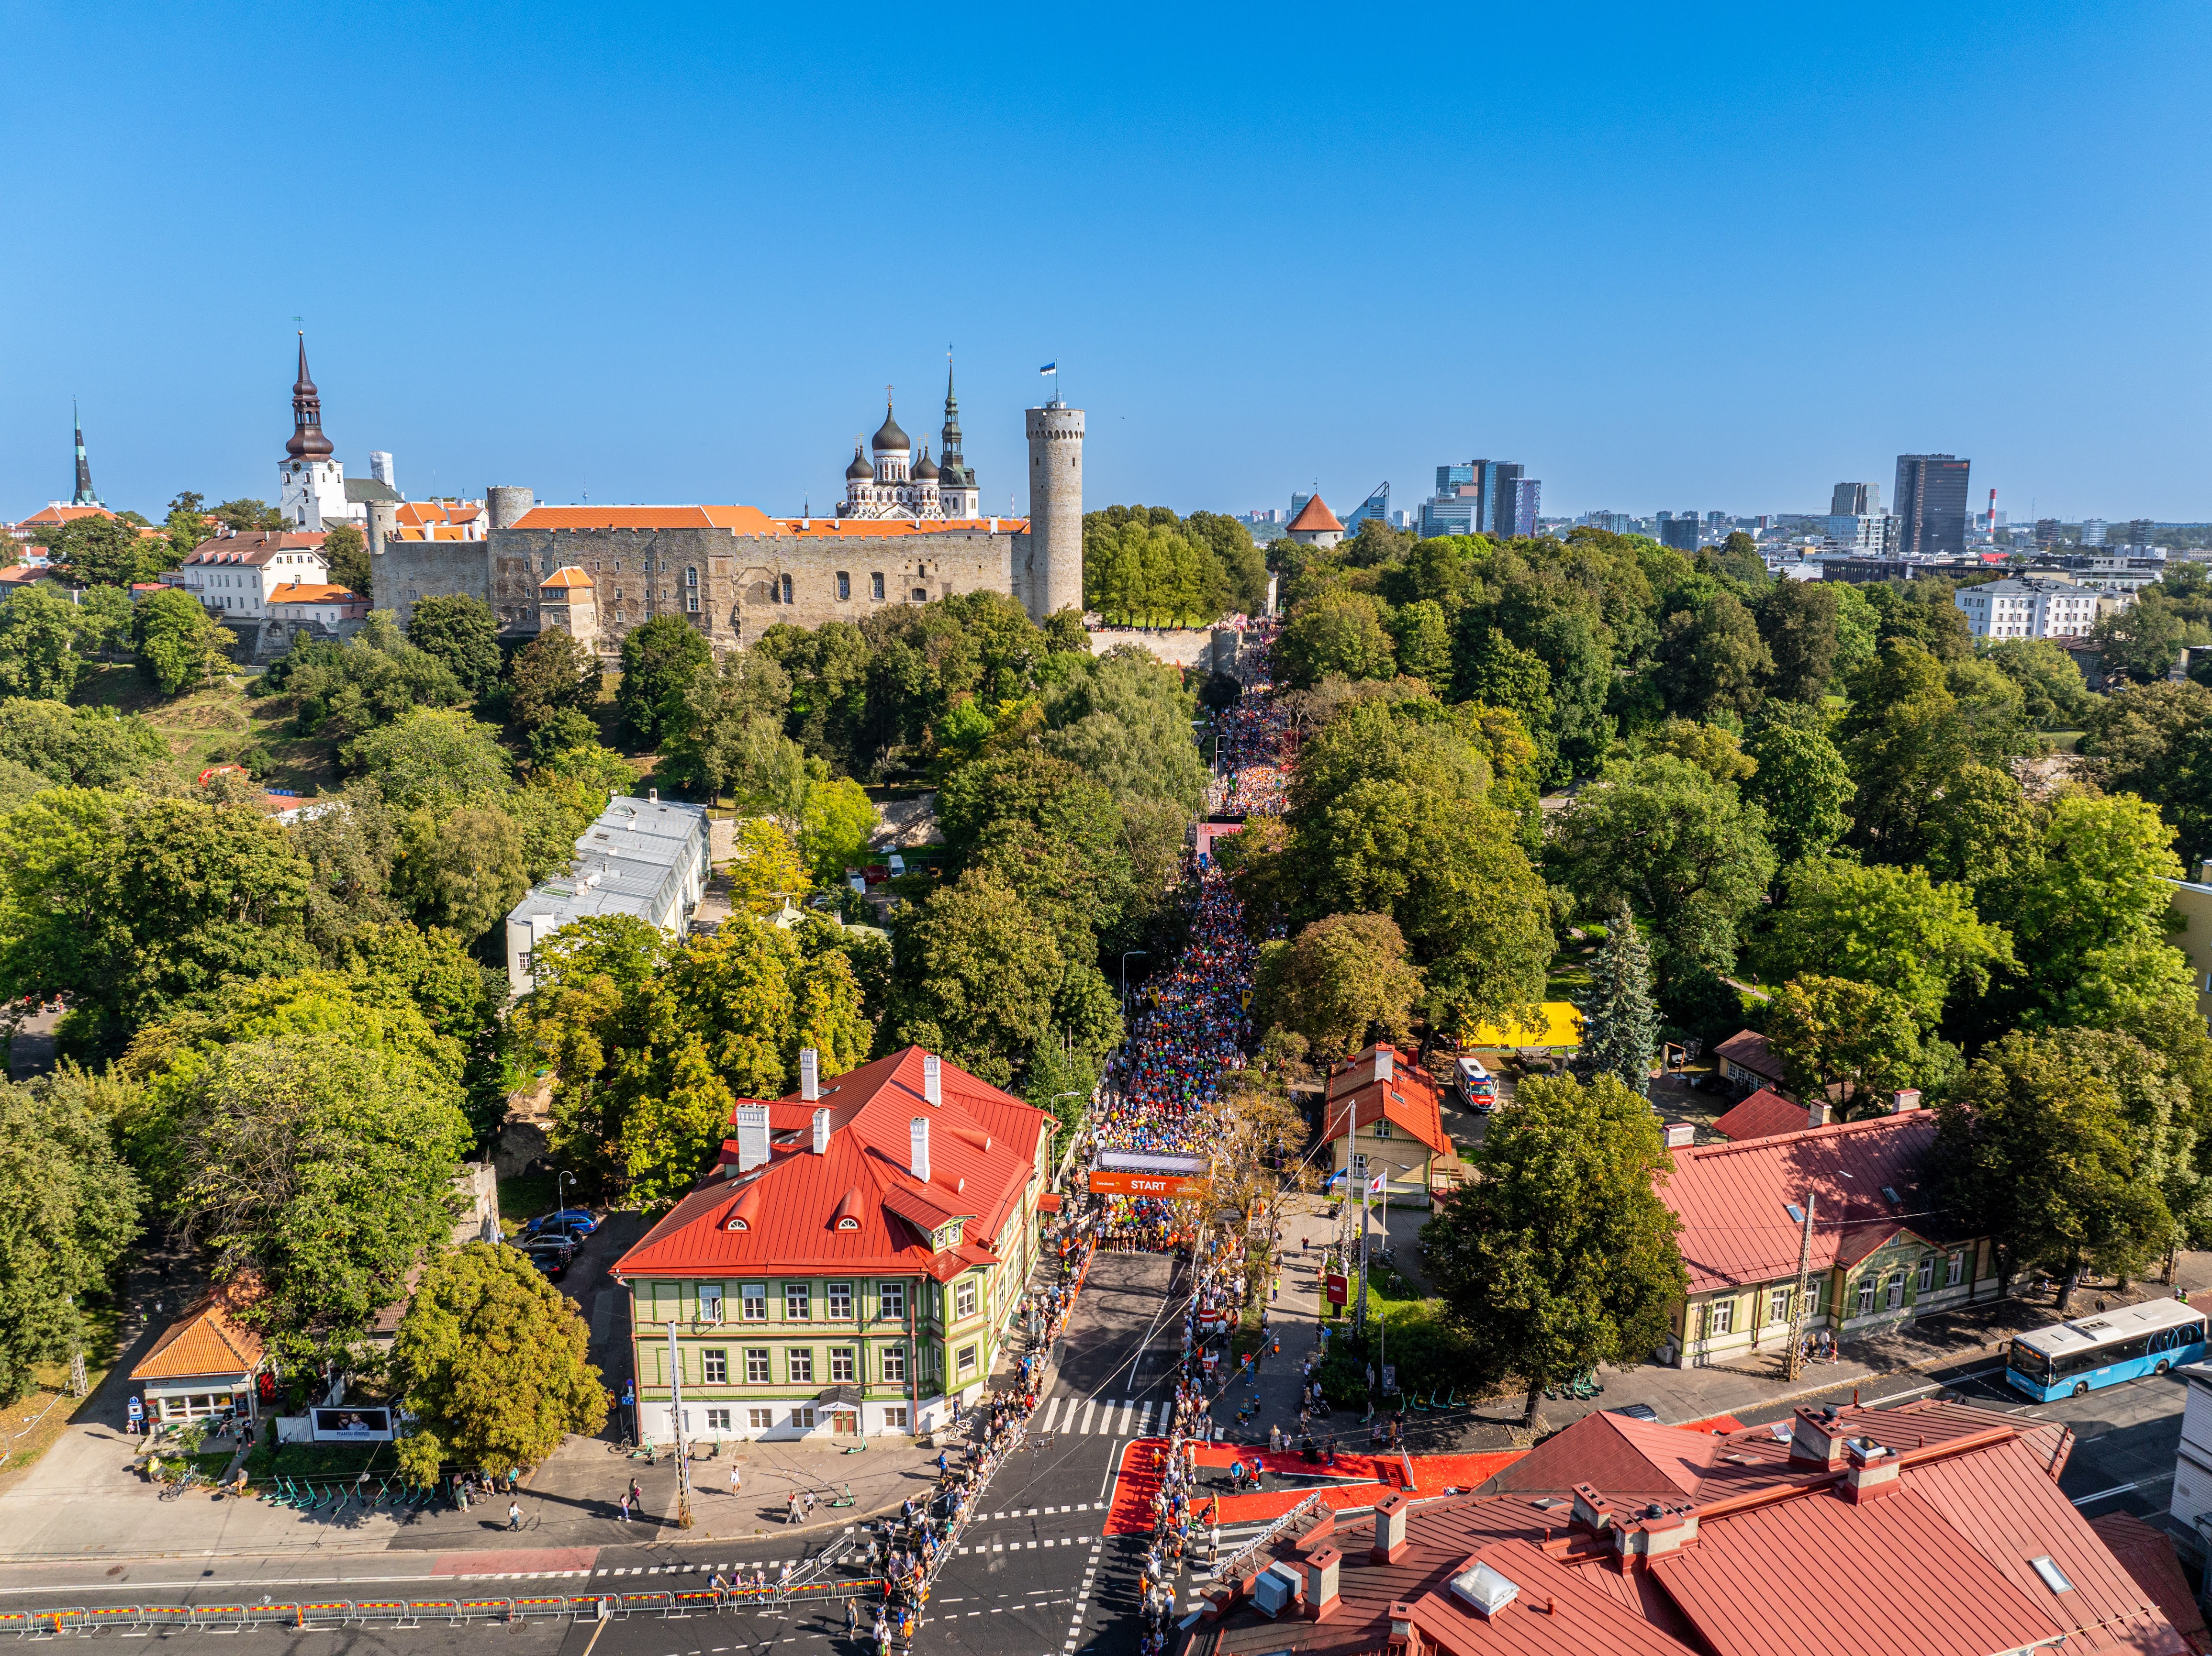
[[2064, 741], [218, 725], [272, 1459], [525, 1196], [31, 1426]]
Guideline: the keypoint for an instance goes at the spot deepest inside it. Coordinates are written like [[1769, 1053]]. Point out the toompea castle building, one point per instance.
[[851, 1262]]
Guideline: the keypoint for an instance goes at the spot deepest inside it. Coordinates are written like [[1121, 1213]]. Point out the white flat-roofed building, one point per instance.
[[2032, 606], [643, 857]]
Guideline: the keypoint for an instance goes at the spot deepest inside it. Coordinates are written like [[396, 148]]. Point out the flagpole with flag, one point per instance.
[[1052, 368]]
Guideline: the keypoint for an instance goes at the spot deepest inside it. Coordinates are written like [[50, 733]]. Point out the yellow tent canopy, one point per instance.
[[1562, 1026]]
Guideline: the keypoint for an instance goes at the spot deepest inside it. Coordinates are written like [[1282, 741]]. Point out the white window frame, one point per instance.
[[839, 1298], [1720, 1317], [1777, 1304], [799, 1364], [890, 1300], [709, 1361], [760, 1366], [797, 1302], [760, 1420], [1956, 1271], [753, 1302], [894, 1363], [710, 1302], [1893, 1297], [895, 1417], [963, 1299], [718, 1420], [965, 1359], [1866, 1295], [844, 1365], [1926, 1283]]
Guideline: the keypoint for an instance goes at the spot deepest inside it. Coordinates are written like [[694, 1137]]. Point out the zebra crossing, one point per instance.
[[1090, 1416]]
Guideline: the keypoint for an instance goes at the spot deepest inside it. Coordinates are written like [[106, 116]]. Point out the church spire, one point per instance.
[[84, 491], [307, 439], [952, 466]]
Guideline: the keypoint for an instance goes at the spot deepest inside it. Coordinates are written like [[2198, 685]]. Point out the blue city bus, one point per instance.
[[2067, 1359]]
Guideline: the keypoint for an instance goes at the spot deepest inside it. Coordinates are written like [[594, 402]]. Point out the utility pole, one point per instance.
[[1793, 1362], [676, 1425]]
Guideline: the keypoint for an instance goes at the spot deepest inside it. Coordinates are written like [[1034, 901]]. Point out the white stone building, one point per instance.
[[237, 574], [2031, 606]]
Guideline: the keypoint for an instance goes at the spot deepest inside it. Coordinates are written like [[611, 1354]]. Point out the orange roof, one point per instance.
[[208, 1339], [743, 519], [833, 527], [58, 513], [416, 514], [568, 575], [1762, 1115], [1407, 1099], [300, 593], [1315, 514]]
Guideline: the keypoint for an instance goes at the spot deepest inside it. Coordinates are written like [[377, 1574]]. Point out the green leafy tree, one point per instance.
[[658, 660], [1800, 783], [322, 1168], [552, 674], [976, 977], [1719, 753], [462, 633], [837, 824], [2055, 698], [1711, 659], [1049, 831], [670, 1136], [1142, 572], [1423, 636], [727, 735], [494, 1364], [374, 679], [68, 1209], [1621, 1027], [1894, 927], [1499, 673], [1853, 1044], [86, 747], [2031, 1147], [1680, 848], [1125, 720], [38, 645], [431, 756], [2142, 640], [1338, 980], [133, 907], [1240, 559], [1907, 739], [345, 549], [186, 526], [99, 551], [1561, 1256], [177, 645], [1339, 632], [243, 515], [765, 869], [1797, 619], [102, 619], [462, 869]]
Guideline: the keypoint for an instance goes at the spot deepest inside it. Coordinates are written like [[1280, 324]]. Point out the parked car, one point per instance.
[[551, 1260], [573, 1222], [554, 1242], [1475, 1084]]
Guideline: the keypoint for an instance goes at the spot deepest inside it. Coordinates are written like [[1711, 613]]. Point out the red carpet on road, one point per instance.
[[1364, 1480]]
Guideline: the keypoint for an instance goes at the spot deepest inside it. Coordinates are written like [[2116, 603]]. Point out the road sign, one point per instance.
[[1109, 1182], [1339, 1288]]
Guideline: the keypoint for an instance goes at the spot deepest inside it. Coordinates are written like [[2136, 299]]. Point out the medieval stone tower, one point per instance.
[[1054, 573]]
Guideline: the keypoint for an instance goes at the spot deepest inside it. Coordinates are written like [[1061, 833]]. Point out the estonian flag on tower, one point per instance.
[[1049, 368]]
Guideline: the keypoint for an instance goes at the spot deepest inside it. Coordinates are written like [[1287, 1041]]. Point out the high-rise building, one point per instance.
[[1679, 533], [1375, 506], [2049, 531], [1856, 500], [1931, 505], [2140, 534], [2093, 531], [1519, 500]]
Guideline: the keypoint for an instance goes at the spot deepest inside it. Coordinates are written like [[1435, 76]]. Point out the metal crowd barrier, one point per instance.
[[304, 1614]]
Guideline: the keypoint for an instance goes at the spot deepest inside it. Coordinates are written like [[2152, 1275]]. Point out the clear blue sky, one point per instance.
[[1681, 257]]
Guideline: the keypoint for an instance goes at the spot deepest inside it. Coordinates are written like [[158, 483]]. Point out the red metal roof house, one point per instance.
[[849, 1264]]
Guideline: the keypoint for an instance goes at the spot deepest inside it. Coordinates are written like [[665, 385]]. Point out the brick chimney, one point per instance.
[[1908, 1098], [1656, 1531], [932, 1079], [1591, 1510], [1403, 1640], [810, 1074], [918, 1137], [1390, 1542], [1816, 1438], [822, 1132]]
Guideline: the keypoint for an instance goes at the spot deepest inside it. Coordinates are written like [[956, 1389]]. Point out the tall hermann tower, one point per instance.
[[1054, 569]]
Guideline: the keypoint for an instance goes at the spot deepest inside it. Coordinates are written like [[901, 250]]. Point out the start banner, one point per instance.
[[1161, 1186]]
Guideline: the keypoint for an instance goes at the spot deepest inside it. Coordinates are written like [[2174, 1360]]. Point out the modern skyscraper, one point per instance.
[[1856, 500], [2093, 531], [1681, 533], [1931, 505], [1375, 506], [2140, 535], [1482, 497], [1519, 500]]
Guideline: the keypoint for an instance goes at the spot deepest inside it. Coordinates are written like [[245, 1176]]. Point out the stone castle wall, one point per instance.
[[727, 584]]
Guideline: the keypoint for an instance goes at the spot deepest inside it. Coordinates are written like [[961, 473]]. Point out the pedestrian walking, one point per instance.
[[622, 1505], [636, 1494], [791, 1508], [736, 1480], [513, 1515], [852, 1619]]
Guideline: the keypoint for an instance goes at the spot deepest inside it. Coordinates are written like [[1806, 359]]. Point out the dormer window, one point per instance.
[[848, 1223]]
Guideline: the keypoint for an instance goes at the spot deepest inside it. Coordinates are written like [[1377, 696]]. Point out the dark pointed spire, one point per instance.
[[85, 496], [952, 466], [307, 439]]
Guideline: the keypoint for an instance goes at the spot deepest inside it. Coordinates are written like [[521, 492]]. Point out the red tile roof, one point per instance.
[[1315, 515], [569, 575], [255, 546], [751, 520], [1785, 1563], [1407, 1099], [984, 1146], [58, 513], [300, 592], [834, 528], [1762, 1115], [1733, 1199], [207, 1340]]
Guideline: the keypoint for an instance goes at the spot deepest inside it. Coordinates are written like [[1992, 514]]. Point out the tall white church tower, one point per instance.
[[310, 483]]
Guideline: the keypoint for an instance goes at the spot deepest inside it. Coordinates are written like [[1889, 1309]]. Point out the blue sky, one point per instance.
[[1690, 257]]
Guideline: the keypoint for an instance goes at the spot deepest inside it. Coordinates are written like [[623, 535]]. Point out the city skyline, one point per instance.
[[506, 278]]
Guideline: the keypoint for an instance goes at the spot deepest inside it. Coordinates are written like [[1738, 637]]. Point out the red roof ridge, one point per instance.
[[1315, 514], [1834, 1129]]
